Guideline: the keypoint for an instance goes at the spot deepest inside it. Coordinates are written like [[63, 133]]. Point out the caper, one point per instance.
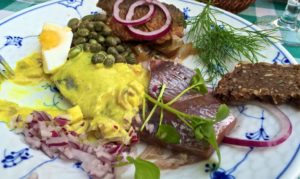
[[120, 59], [75, 35], [118, 40], [83, 32], [99, 26], [90, 26], [109, 61], [100, 17], [88, 18], [113, 51], [106, 30], [93, 35], [73, 23], [98, 58], [100, 39], [130, 59], [120, 48], [93, 41], [111, 41], [74, 52], [87, 47], [83, 24], [96, 48], [125, 54], [79, 40]]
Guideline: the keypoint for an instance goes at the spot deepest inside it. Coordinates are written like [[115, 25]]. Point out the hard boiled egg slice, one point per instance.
[[55, 42]]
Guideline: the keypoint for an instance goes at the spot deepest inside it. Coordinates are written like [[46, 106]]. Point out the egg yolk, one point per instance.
[[49, 39]]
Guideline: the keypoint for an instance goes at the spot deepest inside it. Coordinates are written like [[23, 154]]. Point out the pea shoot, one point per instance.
[[203, 128]]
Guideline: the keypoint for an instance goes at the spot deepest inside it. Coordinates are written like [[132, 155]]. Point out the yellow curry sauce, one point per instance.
[[108, 97]]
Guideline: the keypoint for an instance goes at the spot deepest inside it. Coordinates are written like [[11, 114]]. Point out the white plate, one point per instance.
[[18, 38]]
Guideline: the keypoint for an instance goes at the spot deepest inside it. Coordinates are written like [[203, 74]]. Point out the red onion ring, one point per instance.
[[285, 132], [153, 34], [142, 20]]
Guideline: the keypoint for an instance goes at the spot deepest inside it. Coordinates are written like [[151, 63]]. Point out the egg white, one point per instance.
[[57, 56]]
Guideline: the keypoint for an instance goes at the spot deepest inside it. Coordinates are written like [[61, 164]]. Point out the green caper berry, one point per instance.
[[125, 54], [74, 52], [120, 59], [96, 48], [90, 26], [83, 32], [79, 40], [98, 58], [93, 41], [109, 61], [130, 58], [113, 51], [120, 48], [100, 17], [88, 18], [75, 36], [131, 55], [118, 40], [87, 47], [128, 49], [93, 35], [73, 23], [100, 39], [83, 24], [106, 30], [103, 53], [99, 26], [111, 41]]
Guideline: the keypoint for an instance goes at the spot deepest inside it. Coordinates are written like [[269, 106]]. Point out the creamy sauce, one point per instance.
[[28, 73], [105, 99], [108, 97]]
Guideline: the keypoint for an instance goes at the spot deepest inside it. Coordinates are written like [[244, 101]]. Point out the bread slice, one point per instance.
[[265, 82]]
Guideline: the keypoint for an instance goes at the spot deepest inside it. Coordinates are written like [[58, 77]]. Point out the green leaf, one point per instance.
[[223, 112], [168, 134], [198, 133], [144, 169], [210, 135], [199, 83]]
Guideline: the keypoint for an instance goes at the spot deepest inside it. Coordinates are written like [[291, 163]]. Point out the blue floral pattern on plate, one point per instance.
[[188, 8], [14, 158]]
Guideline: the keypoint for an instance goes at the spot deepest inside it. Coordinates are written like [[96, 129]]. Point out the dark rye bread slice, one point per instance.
[[265, 82]]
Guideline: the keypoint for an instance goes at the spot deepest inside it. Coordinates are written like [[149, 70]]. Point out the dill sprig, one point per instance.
[[218, 42]]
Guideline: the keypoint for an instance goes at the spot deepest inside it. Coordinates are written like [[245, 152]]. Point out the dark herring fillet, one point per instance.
[[265, 82], [177, 78]]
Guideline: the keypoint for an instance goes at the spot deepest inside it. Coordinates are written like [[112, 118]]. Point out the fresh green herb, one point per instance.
[[218, 42], [154, 108], [202, 127], [222, 113], [168, 134], [144, 169], [199, 83]]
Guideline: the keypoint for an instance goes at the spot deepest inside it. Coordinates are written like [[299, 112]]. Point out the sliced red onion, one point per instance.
[[285, 132], [61, 121], [153, 34], [47, 135], [142, 20]]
